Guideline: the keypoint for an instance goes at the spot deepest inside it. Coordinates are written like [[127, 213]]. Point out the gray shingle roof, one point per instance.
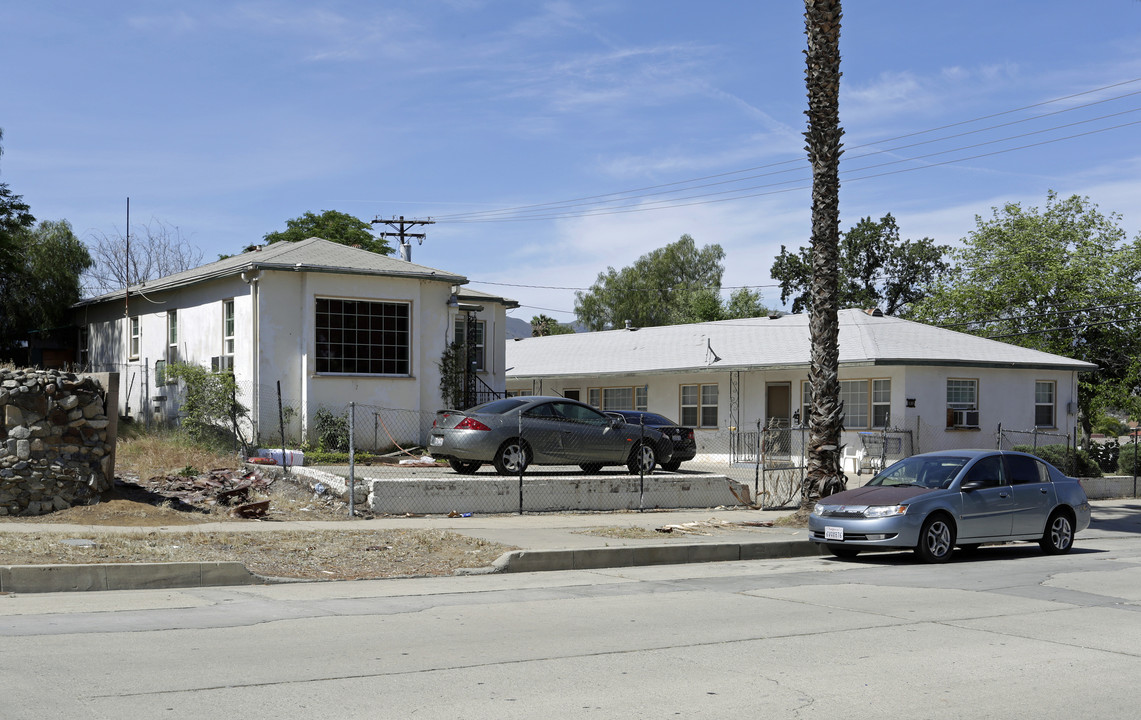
[[782, 342], [312, 255]]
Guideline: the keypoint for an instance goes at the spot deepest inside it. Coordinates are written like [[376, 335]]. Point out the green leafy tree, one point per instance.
[[822, 141], [667, 286], [333, 226], [877, 269], [1063, 279], [744, 303]]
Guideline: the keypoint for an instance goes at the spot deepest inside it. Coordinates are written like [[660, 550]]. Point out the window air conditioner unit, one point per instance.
[[222, 363], [966, 418]]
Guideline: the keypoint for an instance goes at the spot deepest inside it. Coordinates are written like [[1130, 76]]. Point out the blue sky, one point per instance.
[[225, 119]]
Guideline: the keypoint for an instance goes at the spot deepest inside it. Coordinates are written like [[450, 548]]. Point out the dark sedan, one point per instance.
[[684, 444], [514, 433], [934, 502]]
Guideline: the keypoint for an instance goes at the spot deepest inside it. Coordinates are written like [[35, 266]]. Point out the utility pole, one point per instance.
[[401, 226]]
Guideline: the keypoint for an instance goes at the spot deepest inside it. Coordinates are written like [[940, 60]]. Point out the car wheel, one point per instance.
[[465, 467], [591, 468], [512, 458], [936, 539], [642, 459], [844, 551], [672, 465], [1059, 535]]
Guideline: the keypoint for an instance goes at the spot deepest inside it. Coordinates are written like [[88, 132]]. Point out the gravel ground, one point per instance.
[[316, 554]]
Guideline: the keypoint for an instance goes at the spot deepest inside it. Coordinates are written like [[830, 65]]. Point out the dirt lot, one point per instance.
[[315, 554]]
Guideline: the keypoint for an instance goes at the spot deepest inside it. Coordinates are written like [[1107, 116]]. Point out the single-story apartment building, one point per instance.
[[726, 379], [326, 323]]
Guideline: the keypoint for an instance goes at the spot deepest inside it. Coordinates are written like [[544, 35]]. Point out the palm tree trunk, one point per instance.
[[822, 78]]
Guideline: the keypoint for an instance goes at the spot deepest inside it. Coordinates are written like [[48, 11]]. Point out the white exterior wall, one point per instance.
[[1005, 395], [282, 321]]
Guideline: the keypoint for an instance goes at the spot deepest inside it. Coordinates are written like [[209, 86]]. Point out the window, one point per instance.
[[84, 347], [1044, 404], [881, 403], [855, 394], [172, 336], [571, 394], [962, 403], [363, 337], [133, 346], [699, 405], [228, 327], [617, 398], [476, 339]]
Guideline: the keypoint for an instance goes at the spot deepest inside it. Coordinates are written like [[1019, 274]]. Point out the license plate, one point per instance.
[[437, 440], [833, 533]]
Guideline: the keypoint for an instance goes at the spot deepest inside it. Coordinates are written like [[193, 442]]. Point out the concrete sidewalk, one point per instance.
[[552, 541]]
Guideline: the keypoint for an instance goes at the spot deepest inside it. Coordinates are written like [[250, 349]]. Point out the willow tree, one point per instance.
[[822, 78]]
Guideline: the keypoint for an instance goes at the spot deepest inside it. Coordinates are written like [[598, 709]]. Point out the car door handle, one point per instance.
[[1002, 495], [1042, 490]]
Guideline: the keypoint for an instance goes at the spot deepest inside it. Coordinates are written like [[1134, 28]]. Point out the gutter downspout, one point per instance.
[[251, 278]]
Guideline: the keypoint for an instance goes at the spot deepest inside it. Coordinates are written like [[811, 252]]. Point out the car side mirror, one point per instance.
[[972, 484], [617, 422]]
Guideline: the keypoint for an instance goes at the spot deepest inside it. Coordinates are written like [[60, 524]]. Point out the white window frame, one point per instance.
[[698, 404], [1051, 402], [962, 405], [876, 394], [881, 403], [229, 325], [134, 333], [337, 333], [172, 336], [612, 397]]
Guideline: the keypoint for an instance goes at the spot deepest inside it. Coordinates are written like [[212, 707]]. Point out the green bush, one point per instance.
[[1129, 461], [332, 430], [1063, 458], [1105, 454]]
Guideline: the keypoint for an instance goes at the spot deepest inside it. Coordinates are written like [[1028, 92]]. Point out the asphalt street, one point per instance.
[[1008, 632]]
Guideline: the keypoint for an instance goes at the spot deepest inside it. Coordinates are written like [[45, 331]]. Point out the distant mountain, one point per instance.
[[520, 328]]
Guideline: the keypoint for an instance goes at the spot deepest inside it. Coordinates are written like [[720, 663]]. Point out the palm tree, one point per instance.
[[822, 78]]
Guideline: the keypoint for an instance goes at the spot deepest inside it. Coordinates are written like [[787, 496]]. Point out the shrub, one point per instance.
[[211, 413], [1105, 454], [1129, 461], [1064, 458], [332, 430]]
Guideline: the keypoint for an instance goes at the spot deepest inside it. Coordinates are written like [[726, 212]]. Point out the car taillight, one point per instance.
[[689, 434], [471, 424]]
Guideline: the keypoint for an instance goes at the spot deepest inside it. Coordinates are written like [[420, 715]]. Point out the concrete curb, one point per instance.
[[123, 576], [641, 555], [152, 576]]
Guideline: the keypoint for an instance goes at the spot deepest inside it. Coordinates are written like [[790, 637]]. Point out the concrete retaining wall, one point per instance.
[[540, 494], [1111, 486]]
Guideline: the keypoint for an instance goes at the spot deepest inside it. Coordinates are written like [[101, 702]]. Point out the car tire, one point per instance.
[[844, 551], [1059, 535], [512, 458], [642, 459], [936, 539], [591, 468], [672, 465], [464, 467]]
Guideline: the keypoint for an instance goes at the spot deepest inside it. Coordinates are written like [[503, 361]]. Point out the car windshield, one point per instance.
[[931, 471]]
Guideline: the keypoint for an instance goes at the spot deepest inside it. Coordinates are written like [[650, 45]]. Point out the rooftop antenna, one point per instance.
[[401, 226], [127, 261]]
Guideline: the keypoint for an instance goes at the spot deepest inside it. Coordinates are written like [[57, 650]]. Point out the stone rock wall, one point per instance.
[[57, 439]]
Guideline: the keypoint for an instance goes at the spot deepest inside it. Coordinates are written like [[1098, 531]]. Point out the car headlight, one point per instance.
[[818, 509], [881, 511]]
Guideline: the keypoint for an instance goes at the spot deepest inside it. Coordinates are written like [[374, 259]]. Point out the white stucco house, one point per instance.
[[331, 324], [947, 389]]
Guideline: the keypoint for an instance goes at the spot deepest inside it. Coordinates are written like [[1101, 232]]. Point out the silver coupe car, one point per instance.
[[934, 502], [514, 433]]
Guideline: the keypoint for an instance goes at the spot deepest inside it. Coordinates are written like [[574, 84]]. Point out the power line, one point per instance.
[[1062, 329], [1016, 318], [620, 196]]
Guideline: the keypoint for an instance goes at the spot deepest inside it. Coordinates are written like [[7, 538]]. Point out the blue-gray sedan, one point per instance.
[[934, 502]]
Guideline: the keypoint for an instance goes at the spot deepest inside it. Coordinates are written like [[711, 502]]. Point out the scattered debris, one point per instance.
[[251, 511], [423, 460], [261, 460], [455, 514], [224, 486], [700, 527]]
